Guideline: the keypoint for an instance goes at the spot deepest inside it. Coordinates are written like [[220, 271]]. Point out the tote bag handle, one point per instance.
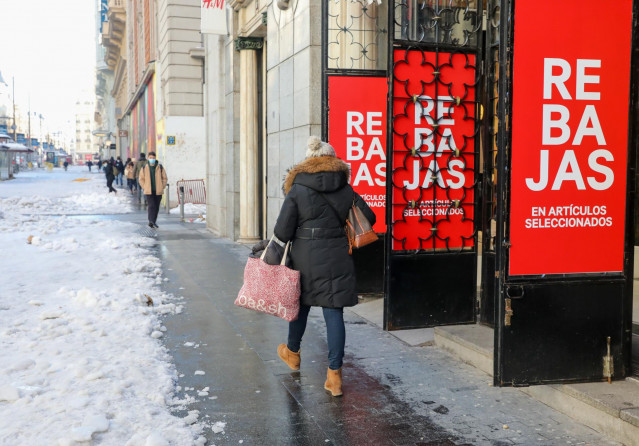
[[283, 262]]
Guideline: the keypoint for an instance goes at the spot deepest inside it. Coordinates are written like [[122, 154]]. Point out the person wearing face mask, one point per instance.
[[153, 180]]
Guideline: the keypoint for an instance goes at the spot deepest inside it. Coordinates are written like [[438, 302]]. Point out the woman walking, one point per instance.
[[129, 171], [153, 181], [313, 215]]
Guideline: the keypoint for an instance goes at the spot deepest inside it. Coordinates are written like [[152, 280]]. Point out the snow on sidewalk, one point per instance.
[[80, 355], [192, 209]]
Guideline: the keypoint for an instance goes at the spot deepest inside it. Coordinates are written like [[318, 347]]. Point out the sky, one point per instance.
[[49, 48]]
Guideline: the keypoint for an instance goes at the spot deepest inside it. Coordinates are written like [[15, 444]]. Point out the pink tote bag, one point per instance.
[[271, 289]]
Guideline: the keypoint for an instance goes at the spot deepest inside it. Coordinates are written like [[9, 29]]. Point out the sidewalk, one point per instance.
[[612, 409], [395, 391]]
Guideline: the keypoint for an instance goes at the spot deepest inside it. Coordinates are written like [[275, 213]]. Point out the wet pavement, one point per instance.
[[394, 394]]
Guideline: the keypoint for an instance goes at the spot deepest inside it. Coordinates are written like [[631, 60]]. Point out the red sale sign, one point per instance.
[[433, 150], [569, 138], [357, 131]]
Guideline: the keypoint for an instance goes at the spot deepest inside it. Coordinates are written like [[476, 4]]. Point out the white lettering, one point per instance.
[[590, 115], [569, 160], [543, 173], [548, 124], [354, 120], [583, 79], [605, 170], [371, 122], [556, 80]]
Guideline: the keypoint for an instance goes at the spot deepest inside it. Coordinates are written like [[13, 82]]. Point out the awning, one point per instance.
[[15, 147]]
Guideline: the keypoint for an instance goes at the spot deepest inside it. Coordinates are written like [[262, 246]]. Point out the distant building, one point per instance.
[[86, 145]]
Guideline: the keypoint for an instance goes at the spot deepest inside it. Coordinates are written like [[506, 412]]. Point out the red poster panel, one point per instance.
[[569, 137], [357, 131], [433, 150]]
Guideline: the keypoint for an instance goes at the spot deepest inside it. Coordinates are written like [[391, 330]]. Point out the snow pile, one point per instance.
[[190, 209], [80, 361], [39, 192]]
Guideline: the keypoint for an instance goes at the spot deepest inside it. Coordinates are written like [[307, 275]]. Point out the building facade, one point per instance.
[[114, 41], [154, 50], [263, 101]]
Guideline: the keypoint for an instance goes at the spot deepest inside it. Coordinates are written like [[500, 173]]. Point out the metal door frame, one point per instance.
[[369, 260], [422, 259], [504, 283]]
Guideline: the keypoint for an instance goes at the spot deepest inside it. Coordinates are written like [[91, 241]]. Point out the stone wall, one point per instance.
[[293, 104], [180, 73], [293, 48], [222, 136]]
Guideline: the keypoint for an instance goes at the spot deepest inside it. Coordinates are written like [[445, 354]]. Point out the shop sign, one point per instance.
[[104, 11], [170, 140], [357, 130], [88, 157], [213, 19], [433, 150], [569, 138]]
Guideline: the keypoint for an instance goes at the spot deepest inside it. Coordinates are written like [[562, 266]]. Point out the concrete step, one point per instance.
[[612, 409]]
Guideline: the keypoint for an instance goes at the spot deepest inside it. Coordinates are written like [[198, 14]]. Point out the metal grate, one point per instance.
[[357, 35], [490, 148], [435, 127], [635, 355], [448, 22]]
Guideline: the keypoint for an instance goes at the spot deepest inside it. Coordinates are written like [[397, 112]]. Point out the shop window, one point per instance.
[[357, 35], [449, 22]]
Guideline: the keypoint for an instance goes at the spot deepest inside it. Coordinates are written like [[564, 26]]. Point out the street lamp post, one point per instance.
[[13, 98]]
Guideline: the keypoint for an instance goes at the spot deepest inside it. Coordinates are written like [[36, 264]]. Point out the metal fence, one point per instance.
[[194, 191]]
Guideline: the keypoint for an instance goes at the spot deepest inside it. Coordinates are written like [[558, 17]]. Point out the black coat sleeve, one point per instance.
[[287, 221], [368, 213]]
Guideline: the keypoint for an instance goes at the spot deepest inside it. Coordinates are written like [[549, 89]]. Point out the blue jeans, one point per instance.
[[335, 333], [119, 179]]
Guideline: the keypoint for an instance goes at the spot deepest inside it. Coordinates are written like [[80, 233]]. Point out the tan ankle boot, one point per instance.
[[291, 359], [334, 382]]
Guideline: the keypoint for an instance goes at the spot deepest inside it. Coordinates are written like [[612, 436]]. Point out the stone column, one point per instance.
[[249, 143]]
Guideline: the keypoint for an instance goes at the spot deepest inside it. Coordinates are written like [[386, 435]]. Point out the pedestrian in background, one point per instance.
[[65, 164], [129, 171], [313, 216], [108, 172], [90, 164], [119, 177], [138, 167], [153, 180]]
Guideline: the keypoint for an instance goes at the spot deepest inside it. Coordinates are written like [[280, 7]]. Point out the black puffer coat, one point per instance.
[[320, 246]]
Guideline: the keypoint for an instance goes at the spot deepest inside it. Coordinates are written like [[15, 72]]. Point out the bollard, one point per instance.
[[168, 199], [182, 202]]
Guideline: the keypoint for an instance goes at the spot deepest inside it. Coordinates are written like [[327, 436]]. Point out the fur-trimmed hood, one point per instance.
[[337, 171]]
